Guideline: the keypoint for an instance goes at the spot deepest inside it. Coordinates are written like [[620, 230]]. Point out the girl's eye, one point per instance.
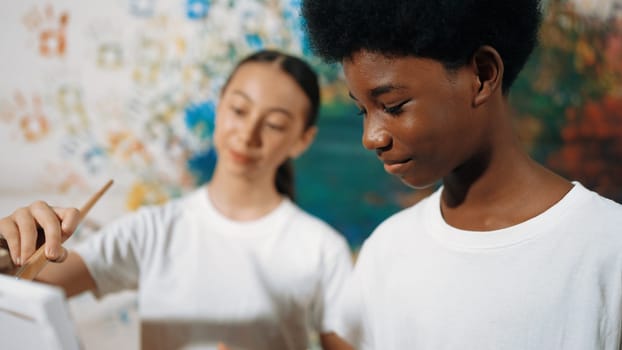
[[361, 111], [237, 111], [276, 122], [276, 127], [395, 110]]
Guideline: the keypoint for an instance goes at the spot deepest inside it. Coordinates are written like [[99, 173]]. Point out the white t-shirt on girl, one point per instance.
[[203, 278]]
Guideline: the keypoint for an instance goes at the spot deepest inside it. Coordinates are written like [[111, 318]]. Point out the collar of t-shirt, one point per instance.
[[265, 225], [522, 232]]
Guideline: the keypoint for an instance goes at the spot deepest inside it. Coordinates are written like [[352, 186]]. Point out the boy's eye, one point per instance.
[[395, 110], [361, 111]]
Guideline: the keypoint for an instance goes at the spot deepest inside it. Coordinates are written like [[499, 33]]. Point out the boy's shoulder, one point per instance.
[[596, 209], [601, 216], [590, 216], [406, 221]]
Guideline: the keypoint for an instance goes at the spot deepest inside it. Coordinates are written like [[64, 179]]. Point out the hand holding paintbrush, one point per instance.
[[29, 227]]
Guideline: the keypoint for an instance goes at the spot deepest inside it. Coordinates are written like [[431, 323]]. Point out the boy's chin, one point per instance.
[[417, 184]]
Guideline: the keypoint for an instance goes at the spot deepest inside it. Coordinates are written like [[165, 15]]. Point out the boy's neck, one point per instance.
[[501, 187], [500, 194]]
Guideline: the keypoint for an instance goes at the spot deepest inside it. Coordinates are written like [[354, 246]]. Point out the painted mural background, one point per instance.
[[569, 97], [126, 89]]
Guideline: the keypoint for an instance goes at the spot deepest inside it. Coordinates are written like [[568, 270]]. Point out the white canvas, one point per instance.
[[34, 316]]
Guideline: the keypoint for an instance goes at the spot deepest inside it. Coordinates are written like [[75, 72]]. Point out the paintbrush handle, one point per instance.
[[37, 261]]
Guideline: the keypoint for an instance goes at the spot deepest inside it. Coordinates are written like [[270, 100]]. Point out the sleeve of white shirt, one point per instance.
[[351, 322], [112, 254], [336, 268]]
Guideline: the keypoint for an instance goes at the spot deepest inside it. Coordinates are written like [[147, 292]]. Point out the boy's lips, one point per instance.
[[397, 167]]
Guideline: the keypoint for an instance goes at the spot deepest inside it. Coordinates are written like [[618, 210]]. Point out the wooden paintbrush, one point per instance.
[[37, 261]]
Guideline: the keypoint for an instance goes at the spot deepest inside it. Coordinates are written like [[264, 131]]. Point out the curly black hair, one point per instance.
[[449, 31]]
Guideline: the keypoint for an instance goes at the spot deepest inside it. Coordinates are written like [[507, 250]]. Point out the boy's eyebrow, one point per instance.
[[380, 90], [383, 89]]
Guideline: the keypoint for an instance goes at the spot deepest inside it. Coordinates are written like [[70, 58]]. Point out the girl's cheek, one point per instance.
[[229, 123]]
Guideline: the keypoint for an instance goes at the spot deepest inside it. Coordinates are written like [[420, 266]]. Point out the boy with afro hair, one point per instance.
[[505, 254]]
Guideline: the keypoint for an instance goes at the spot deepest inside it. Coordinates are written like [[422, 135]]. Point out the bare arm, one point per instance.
[[71, 275], [331, 341]]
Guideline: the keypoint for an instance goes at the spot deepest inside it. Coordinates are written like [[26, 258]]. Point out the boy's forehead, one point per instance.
[[367, 65], [377, 65], [366, 56], [375, 72]]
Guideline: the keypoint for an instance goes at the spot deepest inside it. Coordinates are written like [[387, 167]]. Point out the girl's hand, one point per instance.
[[28, 227], [222, 346]]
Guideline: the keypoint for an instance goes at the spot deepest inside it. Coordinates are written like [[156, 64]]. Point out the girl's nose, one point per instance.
[[249, 131]]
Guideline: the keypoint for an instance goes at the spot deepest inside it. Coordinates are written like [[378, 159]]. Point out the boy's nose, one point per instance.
[[375, 136]]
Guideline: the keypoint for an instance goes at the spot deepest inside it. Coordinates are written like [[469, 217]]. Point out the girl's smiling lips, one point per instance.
[[241, 157]]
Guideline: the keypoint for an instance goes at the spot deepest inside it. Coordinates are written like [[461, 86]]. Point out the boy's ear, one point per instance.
[[304, 142], [488, 66]]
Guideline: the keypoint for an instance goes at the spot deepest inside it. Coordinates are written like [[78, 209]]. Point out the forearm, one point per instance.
[[72, 275], [331, 341]]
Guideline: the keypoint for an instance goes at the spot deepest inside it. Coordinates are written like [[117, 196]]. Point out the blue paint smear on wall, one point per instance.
[[202, 165], [200, 119], [254, 41], [197, 9]]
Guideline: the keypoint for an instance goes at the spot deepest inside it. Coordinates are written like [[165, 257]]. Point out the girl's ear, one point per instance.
[[488, 67], [303, 142]]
